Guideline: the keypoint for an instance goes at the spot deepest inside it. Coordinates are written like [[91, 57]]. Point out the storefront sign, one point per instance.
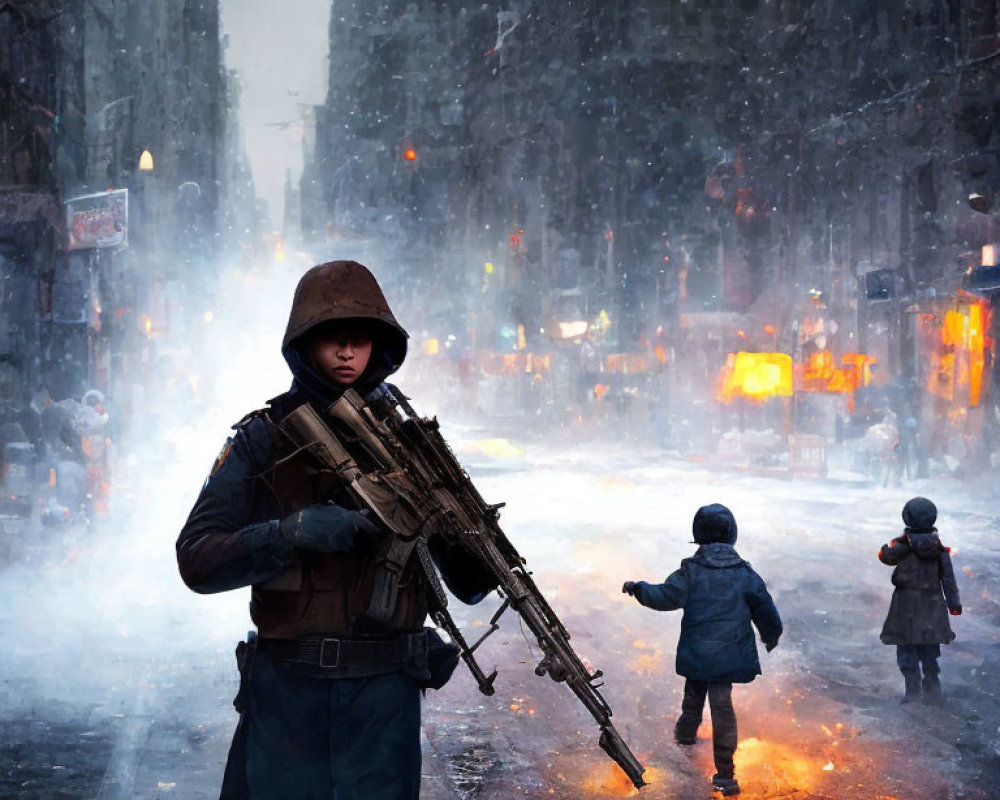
[[97, 220]]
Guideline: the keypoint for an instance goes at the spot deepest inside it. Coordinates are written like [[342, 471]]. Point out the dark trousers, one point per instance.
[[720, 702], [308, 738], [912, 658]]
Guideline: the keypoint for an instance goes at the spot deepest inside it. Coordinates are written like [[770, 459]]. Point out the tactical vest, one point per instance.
[[324, 592]]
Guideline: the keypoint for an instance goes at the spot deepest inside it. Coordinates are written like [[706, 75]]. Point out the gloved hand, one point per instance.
[[329, 528], [956, 611], [769, 646], [629, 588]]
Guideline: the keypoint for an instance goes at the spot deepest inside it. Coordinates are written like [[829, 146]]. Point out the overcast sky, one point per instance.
[[280, 50]]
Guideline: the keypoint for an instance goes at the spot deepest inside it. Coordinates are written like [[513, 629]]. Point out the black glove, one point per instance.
[[769, 646], [629, 588], [329, 529], [956, 611]]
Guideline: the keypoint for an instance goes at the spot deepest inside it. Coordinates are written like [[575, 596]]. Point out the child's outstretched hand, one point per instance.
[[956, 611], [629, 588]]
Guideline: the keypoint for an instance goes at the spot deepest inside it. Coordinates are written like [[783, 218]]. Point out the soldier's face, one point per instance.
[[341, 354]]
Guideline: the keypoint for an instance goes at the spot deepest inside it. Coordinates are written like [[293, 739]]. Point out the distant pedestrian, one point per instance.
[[721, 595], [908, 450], [925, 593]]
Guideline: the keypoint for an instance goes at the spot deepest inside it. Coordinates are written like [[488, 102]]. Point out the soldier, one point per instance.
[[925, 593], [329, 697], [721, 595]]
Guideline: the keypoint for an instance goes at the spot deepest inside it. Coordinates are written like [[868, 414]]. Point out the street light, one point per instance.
[[979, 202], [146, 161]]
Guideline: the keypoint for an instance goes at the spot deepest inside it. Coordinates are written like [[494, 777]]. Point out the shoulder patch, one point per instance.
[[220, 459], [260, 412], [255, 439]]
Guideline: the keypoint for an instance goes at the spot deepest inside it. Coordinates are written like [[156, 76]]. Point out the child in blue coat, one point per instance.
[[721, 596]]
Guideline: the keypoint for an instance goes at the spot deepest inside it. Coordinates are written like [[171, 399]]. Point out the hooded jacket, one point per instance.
[[722, 598], [232, 536], [925, 588], [332, 292]]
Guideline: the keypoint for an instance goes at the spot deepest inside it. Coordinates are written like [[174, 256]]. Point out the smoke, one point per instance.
[[99, 616]]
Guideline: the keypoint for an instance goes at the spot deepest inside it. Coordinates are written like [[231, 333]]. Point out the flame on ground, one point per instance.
[[777, 767], [609, 779]]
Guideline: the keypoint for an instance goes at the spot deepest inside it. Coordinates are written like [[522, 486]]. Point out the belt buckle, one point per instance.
[[334, 649]]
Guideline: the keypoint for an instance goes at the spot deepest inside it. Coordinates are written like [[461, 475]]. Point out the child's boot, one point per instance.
[[686, 730], [912, 680], [931, 686], [728, 786]]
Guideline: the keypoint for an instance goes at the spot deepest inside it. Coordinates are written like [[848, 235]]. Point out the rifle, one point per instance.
[[396, 464]]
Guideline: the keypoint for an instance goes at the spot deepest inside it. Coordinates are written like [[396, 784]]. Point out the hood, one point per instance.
[[926, 545], [714, 523], [717, 555], [340, 290], [920, 514]]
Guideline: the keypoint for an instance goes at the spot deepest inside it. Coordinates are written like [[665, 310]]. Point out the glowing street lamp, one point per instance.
[[989, 255]]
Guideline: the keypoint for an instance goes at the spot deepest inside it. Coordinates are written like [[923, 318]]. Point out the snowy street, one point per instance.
[[631, 260], [117, 680]]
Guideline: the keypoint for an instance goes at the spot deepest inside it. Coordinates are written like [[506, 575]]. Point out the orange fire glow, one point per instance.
[[755, 377], [625, 363], [774, 769], [821, 374], [494, 363], [648, 661], [522, 705], [860, 367], [958, 364], [976, 357], [607, 778]]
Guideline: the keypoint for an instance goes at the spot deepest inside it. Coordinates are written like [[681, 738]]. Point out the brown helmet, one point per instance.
[[340, 290]]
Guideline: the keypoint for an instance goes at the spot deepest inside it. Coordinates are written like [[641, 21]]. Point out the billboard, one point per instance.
[[97, 220]]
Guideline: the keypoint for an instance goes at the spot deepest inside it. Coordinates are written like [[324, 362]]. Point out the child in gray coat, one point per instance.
[[925, 593]]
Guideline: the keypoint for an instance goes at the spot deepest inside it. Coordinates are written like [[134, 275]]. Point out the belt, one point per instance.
[[355, 656]]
